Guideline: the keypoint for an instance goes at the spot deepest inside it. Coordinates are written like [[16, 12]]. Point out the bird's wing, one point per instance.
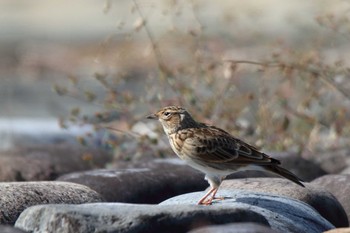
[[214, 145]]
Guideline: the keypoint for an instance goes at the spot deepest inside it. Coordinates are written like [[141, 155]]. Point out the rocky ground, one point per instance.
[[50, 183], [53, 189]]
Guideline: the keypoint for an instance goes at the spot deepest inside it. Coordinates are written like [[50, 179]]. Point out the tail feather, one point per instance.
[[285, 173]]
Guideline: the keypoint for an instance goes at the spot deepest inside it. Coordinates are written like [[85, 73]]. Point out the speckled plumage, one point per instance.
[[212, 150]]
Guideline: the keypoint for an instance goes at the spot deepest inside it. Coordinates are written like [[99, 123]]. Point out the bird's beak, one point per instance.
[[152, 117]]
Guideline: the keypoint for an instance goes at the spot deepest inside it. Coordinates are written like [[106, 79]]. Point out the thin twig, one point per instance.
[[157, 54], [129, 133], [321, 74]]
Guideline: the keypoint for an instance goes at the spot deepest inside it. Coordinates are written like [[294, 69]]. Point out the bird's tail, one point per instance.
[[284, 173]]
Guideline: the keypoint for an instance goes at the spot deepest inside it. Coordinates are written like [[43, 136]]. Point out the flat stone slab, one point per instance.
[[17, 196], [130, 218]]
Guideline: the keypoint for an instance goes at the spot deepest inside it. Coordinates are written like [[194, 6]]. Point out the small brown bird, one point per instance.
[[212, 150]]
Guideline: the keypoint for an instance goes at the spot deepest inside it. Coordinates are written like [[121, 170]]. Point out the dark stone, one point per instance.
[[306, 170], [17, 196], [146, 182]]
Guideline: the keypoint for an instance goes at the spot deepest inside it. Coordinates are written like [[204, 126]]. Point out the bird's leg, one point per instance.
[[203, 200], [217, 198], [214, 182]]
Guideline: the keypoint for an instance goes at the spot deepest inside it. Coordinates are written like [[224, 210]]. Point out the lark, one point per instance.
[[213, 151]]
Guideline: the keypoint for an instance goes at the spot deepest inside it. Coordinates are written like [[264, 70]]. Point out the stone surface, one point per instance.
[[235, 228], [317, 197], [146, 182], [339, 186], [346, 171], [283, 214], [122, 218], [10, 229], [332, 162], [48, 162], [17, 196], [339, 230], [305, 169]]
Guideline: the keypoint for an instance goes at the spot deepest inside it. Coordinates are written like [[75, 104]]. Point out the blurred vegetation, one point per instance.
[[279, 96]]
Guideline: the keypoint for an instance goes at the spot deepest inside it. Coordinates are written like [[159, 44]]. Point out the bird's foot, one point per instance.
[[210, 200]]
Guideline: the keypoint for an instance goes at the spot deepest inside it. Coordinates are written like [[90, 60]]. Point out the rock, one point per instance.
[[235, 228], [10, 229], [17, 196], [48, 162], [305, 169], [332, 162], [339, 186], [320, 199], [127, 218], [346, 171], [339, 230], [283, 214], [145, 182]]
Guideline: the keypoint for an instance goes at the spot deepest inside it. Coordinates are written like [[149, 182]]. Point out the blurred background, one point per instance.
[[275, 73]]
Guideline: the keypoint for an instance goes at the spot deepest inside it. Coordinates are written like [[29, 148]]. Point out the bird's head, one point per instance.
[[173, 118]]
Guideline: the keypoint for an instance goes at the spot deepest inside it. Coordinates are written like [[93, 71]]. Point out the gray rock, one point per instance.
[[333, 162], [305, 169], [283, 214], [346, 171], [339, 186], [235, 228], [130, 218], [317, 197], [48, 162], [17, 196], [146, 182], [10, 229]]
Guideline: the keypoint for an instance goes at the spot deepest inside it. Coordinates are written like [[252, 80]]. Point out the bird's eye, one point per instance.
[[167, 114]]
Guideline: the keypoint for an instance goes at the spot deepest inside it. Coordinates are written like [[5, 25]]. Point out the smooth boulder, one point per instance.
[[130, 218], [316, 196], [17, 196], [283, 214], [145, 182], [339, 186]]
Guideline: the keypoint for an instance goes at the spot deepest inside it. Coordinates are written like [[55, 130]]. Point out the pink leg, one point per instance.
[[212, 191], [208, 202]]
